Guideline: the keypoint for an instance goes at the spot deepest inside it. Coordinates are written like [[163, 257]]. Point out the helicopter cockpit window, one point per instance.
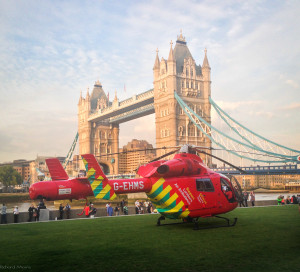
[[204, 185]]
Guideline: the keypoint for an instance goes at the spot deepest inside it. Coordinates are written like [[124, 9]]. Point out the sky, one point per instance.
[[50, 51]]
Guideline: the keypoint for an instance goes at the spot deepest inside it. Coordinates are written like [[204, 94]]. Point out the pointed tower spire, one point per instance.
[[87, 94], [171, 55], [205, 61], [171, 61], [156, 63]]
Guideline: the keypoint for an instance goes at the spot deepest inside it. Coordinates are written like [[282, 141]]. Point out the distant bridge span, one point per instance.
[[120, 112]]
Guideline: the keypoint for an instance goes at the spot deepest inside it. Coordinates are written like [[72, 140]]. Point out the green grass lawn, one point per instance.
[[264, 239]]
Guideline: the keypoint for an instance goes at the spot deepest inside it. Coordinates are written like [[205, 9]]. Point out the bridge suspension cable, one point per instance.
[[70, 153], [246, 144]]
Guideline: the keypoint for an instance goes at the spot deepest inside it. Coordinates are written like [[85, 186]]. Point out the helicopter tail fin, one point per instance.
[[99, 182], [57, 172]]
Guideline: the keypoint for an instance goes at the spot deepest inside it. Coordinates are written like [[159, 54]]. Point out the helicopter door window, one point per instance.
[[204, 185]]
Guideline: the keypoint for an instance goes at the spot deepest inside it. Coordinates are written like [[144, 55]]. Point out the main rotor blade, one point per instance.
[[137, 150], [161, 157], [165, 155], [228, 163]]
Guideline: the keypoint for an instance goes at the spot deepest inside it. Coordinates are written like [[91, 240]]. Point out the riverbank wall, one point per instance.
[[51, 215]]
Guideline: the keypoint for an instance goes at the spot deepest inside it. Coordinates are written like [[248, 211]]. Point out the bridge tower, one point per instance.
[[98, 137], [180, 73]]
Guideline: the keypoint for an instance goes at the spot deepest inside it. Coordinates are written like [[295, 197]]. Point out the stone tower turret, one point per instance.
[[191, 82], [98, 138]]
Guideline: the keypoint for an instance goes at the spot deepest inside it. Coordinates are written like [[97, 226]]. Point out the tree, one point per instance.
[[9, 176]]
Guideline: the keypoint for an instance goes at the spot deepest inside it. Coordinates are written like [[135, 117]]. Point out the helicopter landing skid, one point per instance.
[[196, 223], [196, 227], [163, 218]]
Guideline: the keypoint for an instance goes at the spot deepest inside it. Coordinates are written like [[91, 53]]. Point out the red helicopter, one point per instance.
[[180, 188]]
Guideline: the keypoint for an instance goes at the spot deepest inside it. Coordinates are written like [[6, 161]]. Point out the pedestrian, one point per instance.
[[125, 209], [110, 210], [137, 207], [117, 210], [68, 210], [252, 198], [61, 212], [122, 204], [3, 214], [279, 200], [245, 197], [93, 211], [30, 212], [35, 214], [150, 207], [87, 210], [16, 214]]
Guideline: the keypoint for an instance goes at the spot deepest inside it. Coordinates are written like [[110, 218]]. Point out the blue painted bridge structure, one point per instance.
[[260, 170]]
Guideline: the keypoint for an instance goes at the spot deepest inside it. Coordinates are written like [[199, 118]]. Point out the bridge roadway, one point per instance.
[[261, 170], [124, 111]]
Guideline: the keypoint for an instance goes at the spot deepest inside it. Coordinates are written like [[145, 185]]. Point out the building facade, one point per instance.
[[180, 73], [134, 154]]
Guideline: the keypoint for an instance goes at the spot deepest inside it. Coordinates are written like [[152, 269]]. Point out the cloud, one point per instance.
[[231, 106], [292, 106], [292, 83]]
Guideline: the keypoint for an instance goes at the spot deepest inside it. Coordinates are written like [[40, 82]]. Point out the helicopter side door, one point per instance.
[[206, 193]]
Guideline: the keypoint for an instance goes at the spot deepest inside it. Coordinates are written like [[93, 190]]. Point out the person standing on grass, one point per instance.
[[252, 198], [3, 214]]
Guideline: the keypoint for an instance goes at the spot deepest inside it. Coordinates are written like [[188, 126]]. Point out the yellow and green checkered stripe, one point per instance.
[[101, 189], [166, 201]]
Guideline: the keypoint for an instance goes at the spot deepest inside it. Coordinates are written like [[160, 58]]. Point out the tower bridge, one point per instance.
[[181, 101]]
